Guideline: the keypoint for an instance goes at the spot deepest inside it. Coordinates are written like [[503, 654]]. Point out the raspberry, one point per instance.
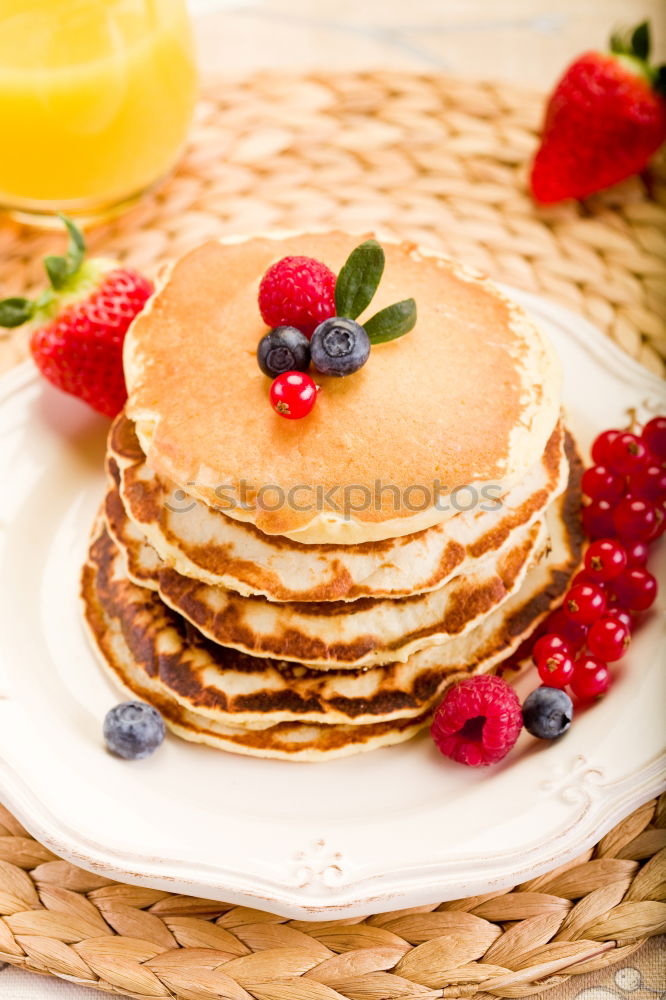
[[297, 291], [478, 721]]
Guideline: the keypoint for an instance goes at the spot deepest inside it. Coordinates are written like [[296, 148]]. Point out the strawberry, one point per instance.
[[78, 324], [604, 120]]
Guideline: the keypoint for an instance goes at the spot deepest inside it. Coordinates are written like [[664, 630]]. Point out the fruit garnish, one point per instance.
[[293, 394], [603, 121], [654, 436], [79, 323], [635, 589], [339, 346], [591, 677], [297, 291], [303, 293], [584, 603], [283, 349], [133, 730], [608, 639], [478, 721], [605, 559], [547, 713]]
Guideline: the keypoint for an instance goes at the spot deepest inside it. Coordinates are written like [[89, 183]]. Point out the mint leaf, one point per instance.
[[393, 322], [61, 269], [358, 279], [15, 311], [640, 40]]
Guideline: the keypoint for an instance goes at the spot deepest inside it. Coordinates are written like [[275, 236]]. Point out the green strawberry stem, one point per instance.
[[632, 48], [70, 276], [355, 287]]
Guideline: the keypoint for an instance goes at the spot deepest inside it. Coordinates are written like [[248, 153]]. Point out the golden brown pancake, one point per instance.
[[469, 397], [139, 636], [204, 544], [334, 633]]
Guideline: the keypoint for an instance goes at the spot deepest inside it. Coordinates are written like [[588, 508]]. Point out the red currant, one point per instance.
[[636, 589], [591, 677], [626, 454], [598, 519], [293, 394], [620, 615], [601, 446], [582, 576], [605, 559], [548, 644], [560, 624], [637, 553], [635, 519], [649, 483], [556, 670], [608, 639], [599, 483], [654, 436], [584, 603]]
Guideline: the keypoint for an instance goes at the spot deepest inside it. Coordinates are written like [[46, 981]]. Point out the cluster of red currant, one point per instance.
[[626, 513]]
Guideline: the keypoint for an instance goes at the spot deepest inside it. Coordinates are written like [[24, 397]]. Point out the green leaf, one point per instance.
[[61, 269], [640, 40], [15, 311], [393, 322], [358, 279], [660, 81]]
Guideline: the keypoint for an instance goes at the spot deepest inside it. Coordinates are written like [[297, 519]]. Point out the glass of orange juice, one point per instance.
[[96, 97]]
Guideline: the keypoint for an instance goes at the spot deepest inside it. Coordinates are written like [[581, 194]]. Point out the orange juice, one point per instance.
[[95, 99]]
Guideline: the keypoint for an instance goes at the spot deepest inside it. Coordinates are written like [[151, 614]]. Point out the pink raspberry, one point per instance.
[[478, 721], [297, 291]]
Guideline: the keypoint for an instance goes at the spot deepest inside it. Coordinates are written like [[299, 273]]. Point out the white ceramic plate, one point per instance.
[[394, 828]]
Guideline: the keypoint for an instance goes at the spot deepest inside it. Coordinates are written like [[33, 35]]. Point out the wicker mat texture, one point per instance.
[[441, 161]]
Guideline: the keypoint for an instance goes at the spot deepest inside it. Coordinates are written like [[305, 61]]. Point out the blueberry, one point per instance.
[[339, 346], [284, 349], [547, 713], [133, 730]]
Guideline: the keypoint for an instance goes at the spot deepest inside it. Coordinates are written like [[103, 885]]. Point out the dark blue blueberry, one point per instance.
[[133, 730], [547, 713], [339, 346], [284, 349]]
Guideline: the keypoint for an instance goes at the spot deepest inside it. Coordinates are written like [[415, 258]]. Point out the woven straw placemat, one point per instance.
[[443, 162], [432, 158]]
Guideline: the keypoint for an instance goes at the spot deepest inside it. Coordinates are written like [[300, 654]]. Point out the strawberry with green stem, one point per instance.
[[78, 324], [604, 120]]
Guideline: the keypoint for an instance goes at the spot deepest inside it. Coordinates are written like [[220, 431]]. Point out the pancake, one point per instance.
[[203, 543], [137, 636], [335, 633], [469, 397]]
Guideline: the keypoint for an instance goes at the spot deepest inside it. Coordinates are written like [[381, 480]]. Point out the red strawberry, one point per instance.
[[604, 120], [79, 324]]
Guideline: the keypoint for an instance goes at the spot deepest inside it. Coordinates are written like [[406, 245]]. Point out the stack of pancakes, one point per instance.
[[307, 589]]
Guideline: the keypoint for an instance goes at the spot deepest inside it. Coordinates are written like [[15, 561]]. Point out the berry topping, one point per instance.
[[598, 519], [478, 721], [599, 483], [649, 483], [637, 553], [293, 394], [605, 559], [297, 291], [339, 346], [626, 454], [618, 614], [636, 520], [654, 436], [79, 324], [574, 633], [547, 713], [133, 730], [584, 603], [601, 446], [635, 589], [608, 639], [284, 349], [591, 677], [548, 644], [556, 669]]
